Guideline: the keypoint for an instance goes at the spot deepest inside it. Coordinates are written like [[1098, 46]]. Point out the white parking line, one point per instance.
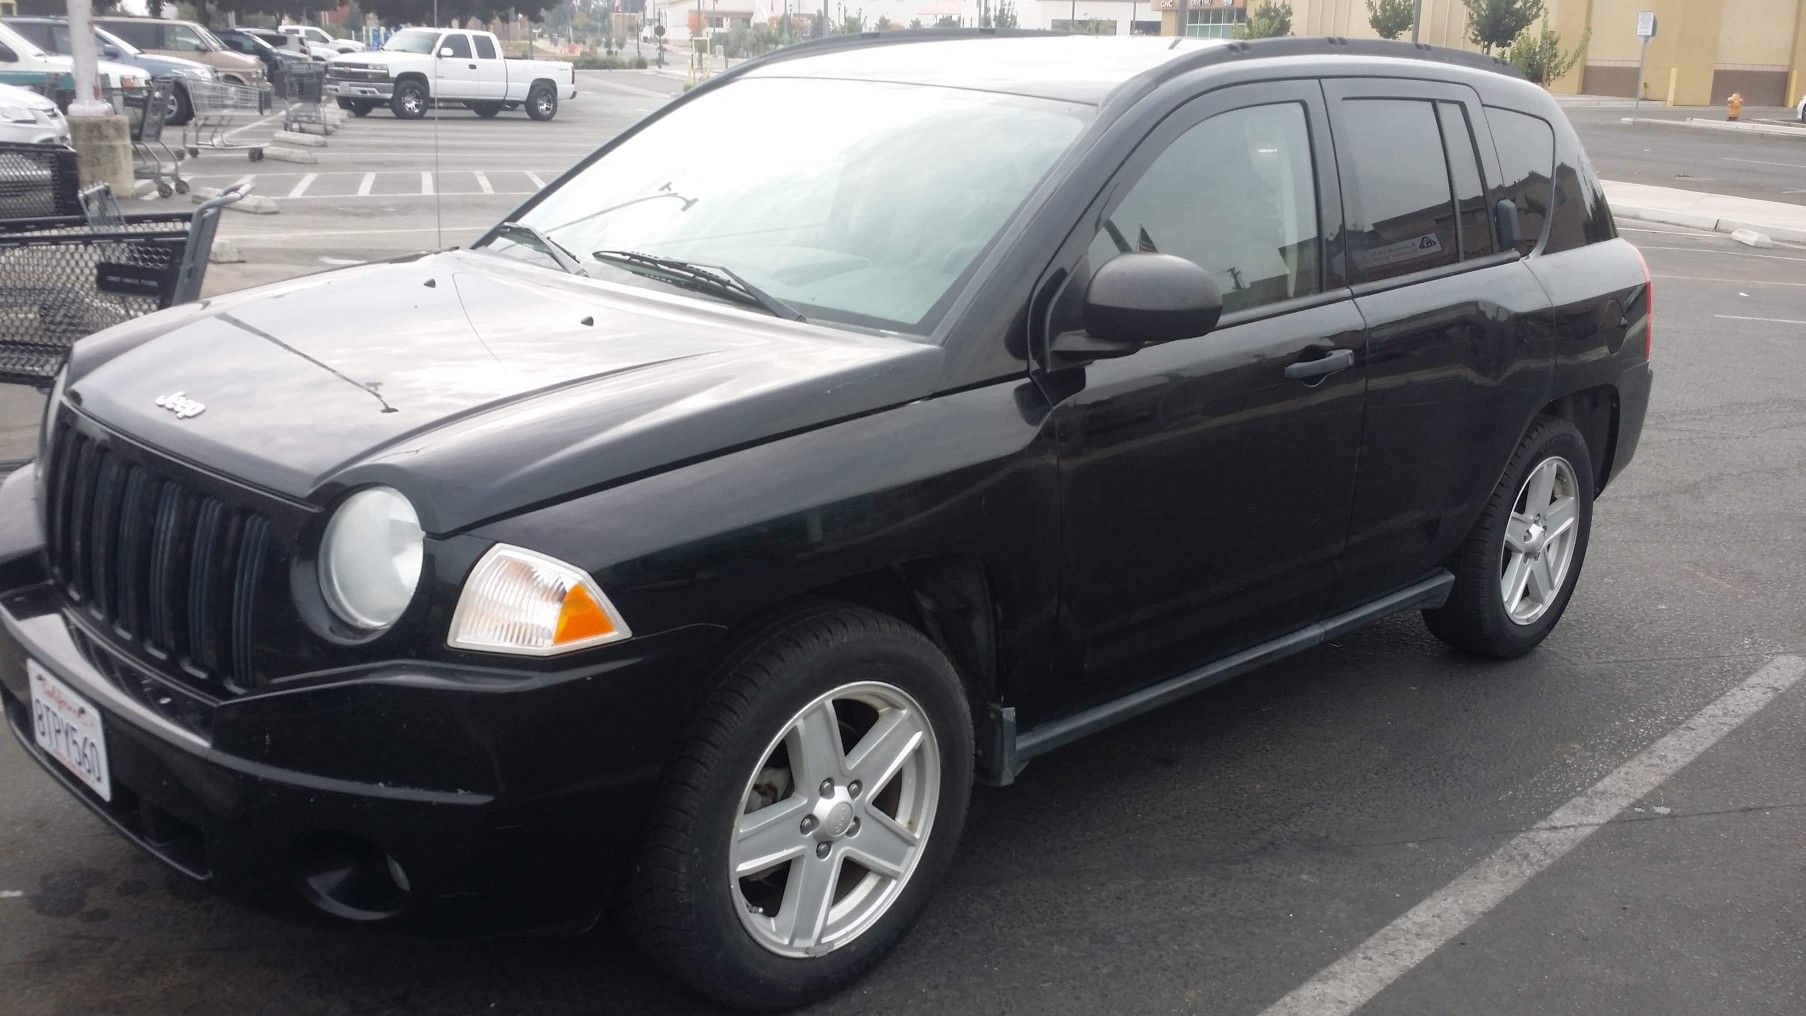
[[305, 182], [1733, 253], [1771, 320], [426, 182], [1764, 162], [364, 185], [1350, 982], [1734, 282], [482, 182], [537, 182]]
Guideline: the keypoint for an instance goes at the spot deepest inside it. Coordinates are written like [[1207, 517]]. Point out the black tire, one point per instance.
[[1475, 619], [409, 101], [485, 109], [680, 901], [360, 108], [542, 102], [181, 110]]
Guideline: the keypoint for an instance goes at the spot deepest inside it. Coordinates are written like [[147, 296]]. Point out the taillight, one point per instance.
[[1648, 305]]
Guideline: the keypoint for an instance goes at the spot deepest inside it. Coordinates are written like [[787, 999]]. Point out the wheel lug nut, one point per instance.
[[854, 788], [853, 830], [821, 849], [827, 788], [809, 823]]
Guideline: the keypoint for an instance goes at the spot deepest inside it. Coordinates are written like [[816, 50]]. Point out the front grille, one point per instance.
[[173, 572]]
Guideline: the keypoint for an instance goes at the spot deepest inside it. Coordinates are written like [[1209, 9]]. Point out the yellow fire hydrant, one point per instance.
[[1736, 106]]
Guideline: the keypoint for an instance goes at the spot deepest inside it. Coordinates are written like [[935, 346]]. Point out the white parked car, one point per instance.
[[17, 53], [30, 119], [418, 67], [1800, 110], [319, 39]]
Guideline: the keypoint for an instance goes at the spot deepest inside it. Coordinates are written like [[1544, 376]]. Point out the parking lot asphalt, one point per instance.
[[1655, 151], [1227, 852]]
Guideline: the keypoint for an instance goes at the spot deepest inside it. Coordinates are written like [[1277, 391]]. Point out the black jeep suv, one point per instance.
[[866, 422]]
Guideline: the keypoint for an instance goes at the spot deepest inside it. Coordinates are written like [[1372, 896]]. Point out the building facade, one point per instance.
[[1703, 50]]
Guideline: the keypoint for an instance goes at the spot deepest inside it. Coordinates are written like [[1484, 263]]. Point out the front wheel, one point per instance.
[[542, 102], [815, 803], [409, 101], [1517, 570]]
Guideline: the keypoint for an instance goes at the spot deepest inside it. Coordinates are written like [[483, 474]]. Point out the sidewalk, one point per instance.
[[1719, 212]]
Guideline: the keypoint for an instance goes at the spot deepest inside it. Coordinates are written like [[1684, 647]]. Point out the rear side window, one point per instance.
[[1402, 193], [485, 48], [137, 33], [1464, 171], [1526, 146], [459, 46]]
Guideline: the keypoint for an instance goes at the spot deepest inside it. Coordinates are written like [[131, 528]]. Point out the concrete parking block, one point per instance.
[[225, 252], [282, 153], [298, 138], [254, 204]]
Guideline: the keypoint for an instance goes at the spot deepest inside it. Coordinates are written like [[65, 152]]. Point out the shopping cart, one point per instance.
[[37, 181], [63, 277], [301, 88], [145, 109], [219, 108]]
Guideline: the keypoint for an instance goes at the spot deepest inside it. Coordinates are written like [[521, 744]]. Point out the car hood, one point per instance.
[[13, 95], [169, 64], [476, 384]]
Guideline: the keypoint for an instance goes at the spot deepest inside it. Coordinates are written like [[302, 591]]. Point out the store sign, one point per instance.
[[1196, 5]]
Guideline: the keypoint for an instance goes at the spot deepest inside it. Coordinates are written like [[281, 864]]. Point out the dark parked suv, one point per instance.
[[699, 536]]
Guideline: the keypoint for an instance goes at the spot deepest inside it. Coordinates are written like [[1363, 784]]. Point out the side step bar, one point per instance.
[[1003, 752]]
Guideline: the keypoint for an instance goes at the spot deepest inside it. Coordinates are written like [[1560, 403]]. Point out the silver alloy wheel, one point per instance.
[[412, 102], [1540, 539], [827, 837], [544, 104]]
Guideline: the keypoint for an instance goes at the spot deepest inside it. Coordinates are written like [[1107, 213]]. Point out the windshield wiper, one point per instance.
[[714, 280], [547, 246]]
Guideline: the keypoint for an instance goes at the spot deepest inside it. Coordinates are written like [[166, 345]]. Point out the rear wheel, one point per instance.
[[485, 109], [409, 101], [1517, 570], [358, 108], [816, 801], [542, 102]]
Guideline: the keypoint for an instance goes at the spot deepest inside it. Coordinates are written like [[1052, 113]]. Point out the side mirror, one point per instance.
[[445, 51], [1140, 299], [110, 51]]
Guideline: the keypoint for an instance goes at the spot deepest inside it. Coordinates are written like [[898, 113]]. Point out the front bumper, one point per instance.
[[447, 799], [346, 88]]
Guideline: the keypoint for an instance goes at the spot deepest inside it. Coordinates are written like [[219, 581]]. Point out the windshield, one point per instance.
[[211, 39], [856, 201], [411, 40]]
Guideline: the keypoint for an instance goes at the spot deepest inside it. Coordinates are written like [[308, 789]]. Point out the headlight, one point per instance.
[[517, 601], [370, 558]]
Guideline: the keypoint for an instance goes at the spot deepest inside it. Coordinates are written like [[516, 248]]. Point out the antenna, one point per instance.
[[438, 191]]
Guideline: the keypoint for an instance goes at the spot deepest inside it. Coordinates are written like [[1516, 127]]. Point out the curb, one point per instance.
[[1700, 220], [1772, 130]]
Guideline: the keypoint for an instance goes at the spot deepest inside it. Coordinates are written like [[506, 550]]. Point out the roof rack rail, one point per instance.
[[833, 43], [1317, 45]]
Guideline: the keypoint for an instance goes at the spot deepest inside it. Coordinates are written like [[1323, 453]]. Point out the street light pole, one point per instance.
[[85, 58], [1416, 18]]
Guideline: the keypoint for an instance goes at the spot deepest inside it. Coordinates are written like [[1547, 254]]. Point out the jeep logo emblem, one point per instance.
[[180, 404]]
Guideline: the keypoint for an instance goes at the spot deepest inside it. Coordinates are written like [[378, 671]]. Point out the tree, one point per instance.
[[1004, 16], [1391, 18], [1269, 21], [1540, 57], [1493, 24]]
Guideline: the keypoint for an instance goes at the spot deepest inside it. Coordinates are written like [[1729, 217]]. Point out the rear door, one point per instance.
[[1458, 353], [492, 73], [1205, 491]]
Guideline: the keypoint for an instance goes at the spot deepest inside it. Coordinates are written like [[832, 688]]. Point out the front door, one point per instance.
[[456, 67], [1206, 490]]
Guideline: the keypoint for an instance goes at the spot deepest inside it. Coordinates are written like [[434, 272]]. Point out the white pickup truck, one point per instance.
[[418, 67]]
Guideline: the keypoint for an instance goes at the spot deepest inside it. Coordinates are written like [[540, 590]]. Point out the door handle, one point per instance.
[[473, 67], [1335, 360]]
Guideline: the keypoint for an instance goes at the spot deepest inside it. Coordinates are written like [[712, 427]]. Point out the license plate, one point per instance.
[[68, 728]]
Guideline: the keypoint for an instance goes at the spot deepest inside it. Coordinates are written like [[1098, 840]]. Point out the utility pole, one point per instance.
[[102, 137], [1180, 17], [1416, 19]]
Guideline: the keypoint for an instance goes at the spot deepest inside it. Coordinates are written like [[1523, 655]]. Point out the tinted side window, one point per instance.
[[1236, 195], [485, 48], [458, 44], [1464, 170], [1402, 196], [37, 33], [137, 33], [1526, 146]]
